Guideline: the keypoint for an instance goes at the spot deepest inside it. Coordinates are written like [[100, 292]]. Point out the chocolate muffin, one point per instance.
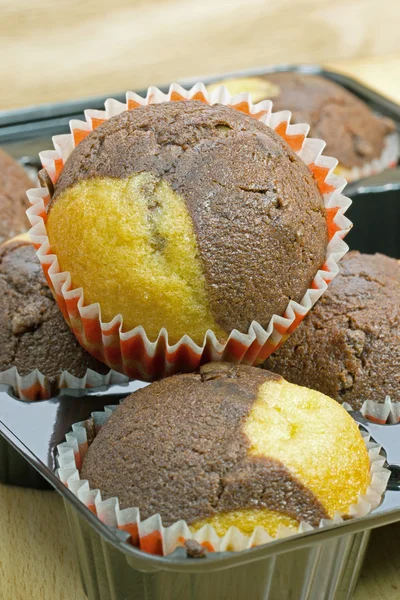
[[14, 183], [348, 346], [352, 132], [231, 445], [33, 333], [188, 217]]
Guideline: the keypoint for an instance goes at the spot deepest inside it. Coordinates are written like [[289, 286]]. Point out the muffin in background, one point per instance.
[[14, 182], [352, 132], [204, 219], [231, 445], [33, 332], [348, 346]]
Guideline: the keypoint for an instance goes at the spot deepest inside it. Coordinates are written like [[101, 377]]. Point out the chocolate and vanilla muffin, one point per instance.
[[230, 446], [14, 182], [33, 332], [348, 346], [187, 217], [352, 132]]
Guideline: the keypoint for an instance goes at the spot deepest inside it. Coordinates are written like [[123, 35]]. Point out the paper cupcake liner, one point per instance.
[[387, 160], [132, 352], [36, 386], [387, 412], [151, 536]]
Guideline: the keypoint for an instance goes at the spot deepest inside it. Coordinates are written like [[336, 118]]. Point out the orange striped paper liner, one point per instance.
[[152, 537], [132, 352]]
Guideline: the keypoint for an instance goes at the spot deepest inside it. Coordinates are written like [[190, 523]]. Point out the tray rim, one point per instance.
[[43, 116]]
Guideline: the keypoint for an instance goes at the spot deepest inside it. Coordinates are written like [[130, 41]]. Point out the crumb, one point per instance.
[[194, 549], [90, 430]]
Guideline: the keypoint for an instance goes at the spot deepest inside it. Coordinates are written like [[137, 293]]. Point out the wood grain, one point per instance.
[[37, 560], [36, 557], [53, 51]]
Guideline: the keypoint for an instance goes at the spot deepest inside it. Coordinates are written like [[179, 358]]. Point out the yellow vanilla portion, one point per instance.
[[315, 438], [258, 88], [246, 520], [131, 246]]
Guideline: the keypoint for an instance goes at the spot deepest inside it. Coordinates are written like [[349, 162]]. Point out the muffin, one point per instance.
[[33, 332], [348, 346], [187, 217], [230, 446], [352, 132], [14, 183]]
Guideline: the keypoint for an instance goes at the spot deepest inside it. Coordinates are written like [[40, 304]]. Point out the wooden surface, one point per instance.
[[37, 562], [381, 73], [58, 50], [68, 49]]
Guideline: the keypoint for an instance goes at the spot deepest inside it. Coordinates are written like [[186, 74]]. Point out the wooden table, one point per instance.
[[54, 51], [36, 559]]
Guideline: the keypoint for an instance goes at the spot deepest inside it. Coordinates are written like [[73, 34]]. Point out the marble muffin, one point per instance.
[[33, 332], [230, 445], [352, 132], [14, 183], [188, 217], [348, 346]]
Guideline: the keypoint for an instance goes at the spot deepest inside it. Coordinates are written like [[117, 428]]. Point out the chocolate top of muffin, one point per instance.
[[353, 134], [257, 213], [348, 346], [14, 183], [33, 332], [180, 447]]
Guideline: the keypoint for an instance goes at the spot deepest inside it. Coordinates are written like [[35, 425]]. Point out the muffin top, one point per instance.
[[231, 445], [33, 332], [14, 183], [348, 346], [352, 132], [247, 208]]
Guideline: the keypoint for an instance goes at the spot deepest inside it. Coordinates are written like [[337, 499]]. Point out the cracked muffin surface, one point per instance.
[[348, 346], [352, 132], [189, 217], [33, 332], [230, 445]]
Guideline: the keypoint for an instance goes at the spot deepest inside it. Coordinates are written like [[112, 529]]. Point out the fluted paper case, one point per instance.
[[321, 564]]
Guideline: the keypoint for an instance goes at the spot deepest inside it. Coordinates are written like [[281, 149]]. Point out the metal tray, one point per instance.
[[304, 566], [26, 131], [323, 564]]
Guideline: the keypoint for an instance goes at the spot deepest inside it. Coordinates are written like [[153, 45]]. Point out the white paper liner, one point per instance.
[[36, 386], [151, 536], [132, 352], [379, 412], [387, 160]]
